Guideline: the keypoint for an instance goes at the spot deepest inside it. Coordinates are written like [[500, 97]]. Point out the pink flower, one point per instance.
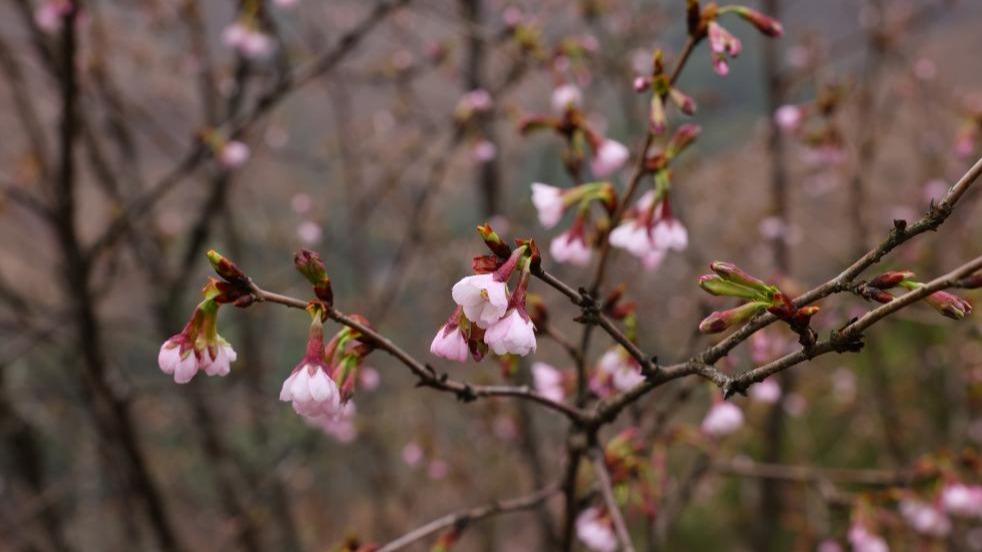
[[570, 247], [632, 236], [312, 391], [651, 231], [621, 368], [670, 233], [369, 378], [50, 15], [862, 540], [177, 357], [483, 298], [722, 44], [608, 158], [233, 154], [925, 518], [766, 392], [218, 361], [548, 201], [309, 232], [548, 381], [412, 453], [566, 96], [722, 419], [788, 117], [475, 101], [341, 427], [596, 531], [512, 334], [449, 343], [962, 500], [248, 41]]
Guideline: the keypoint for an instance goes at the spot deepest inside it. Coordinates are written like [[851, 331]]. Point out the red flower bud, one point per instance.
[[890, 279], [719, 321], [225, 268], [766, 25], [312, 267], [494, 241], [950, 305]]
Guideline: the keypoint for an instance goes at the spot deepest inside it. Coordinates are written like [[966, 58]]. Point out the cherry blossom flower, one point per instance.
[[50, 14], [177, 357], [412, 454], [548, 201], [198, 346], [766, 392], [789, 117], [483, 151], [623, 371], [369, 378], [548, 381], [962, 500], [925, 518], [514, 334], [862, 540], [721, 45], [248, 40], [609, 157], [571, 246], [310, 388], [449, 342], [309, 232], [341, 427], [652, 228], [566, 96], [484, 298], [233, 154], [596, 531], [722, 419]]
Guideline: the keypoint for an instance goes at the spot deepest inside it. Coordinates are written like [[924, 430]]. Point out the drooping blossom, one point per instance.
[[571, 246], [310, 388], [514, 333], [248, 40], [722, 419], [548, 381], [609, 157], [925, 518], [483, 297], [963, 500], [595, 530], [449, 342], [766, 392], [233, 154], [548, 201], [650, 228], [198, 346], [566, 96], [721, 45], [863, 540]]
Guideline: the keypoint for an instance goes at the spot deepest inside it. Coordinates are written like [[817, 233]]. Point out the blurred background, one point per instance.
[[359, 149]]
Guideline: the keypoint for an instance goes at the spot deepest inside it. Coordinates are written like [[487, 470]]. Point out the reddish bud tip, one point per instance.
[[890, 279]]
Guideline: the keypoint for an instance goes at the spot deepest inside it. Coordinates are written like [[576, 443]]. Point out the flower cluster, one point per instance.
[[574, 245], [660, 84], [722, 44], [488, 315], [198, 346]]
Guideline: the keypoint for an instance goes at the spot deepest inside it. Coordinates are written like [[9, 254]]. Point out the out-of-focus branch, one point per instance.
[[607, 490], [462, 518], [813, 474]]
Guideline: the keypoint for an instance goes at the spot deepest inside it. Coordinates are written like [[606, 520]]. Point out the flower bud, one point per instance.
[[684, 102], [715, 284], [225, 268], [731, 272], [312, 267], [657, 120], [766, 25], [890, 279], [719, 321], [642, 84], [494, 241], [683, 138], [972, 282], [950, 305]]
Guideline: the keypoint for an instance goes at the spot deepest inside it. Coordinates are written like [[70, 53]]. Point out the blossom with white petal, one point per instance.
[[766, 392], [862, 540], [566, 96], [570, 247], [789, 117], [220, 363], [312, 391], [249, 41], [632, 236], [722, 419], [548, 381], [925, 518], [449, 343], [608, 158], [548, 201], [233, 154], [596, 531], [177, 358], [483, 298], [962, 500], [623, 371], [513, 334]]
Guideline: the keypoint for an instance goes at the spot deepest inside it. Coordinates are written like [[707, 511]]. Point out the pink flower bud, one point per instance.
[[950, 305], [684, 102], [449, 343], [512, 334], [312, 391], [723, 419], [548, 201], [890, 279], [719, 321], [565, 97], [177, 358], [766, 25], [608, 158], [412, 454], [570, 247], [642, 84], [657, 120]]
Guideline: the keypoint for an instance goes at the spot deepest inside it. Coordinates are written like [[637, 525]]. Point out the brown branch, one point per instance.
[[459, 519], [607, 490]]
